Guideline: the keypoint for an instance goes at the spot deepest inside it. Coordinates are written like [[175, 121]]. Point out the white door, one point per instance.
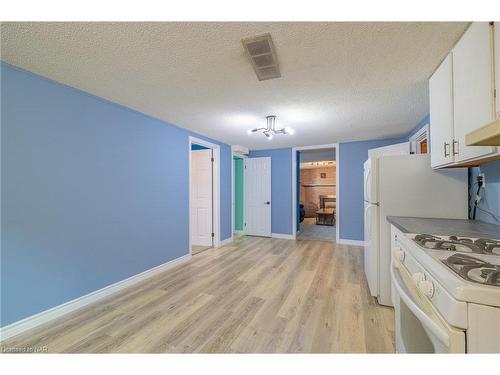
[[472, 88], [201, 197], [258, 197], [441, 112]]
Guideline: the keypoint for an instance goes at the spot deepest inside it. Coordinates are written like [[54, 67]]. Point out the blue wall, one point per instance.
[[92, 193], [352, 155], [281, 190], [491, 192]]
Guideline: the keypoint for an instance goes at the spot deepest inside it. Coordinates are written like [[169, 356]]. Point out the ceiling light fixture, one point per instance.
[[270, 130]]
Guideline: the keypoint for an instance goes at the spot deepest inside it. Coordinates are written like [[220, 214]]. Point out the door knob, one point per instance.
[[268, 202]]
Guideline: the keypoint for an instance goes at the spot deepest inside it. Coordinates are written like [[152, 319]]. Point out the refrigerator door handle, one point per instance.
[[367, 177]]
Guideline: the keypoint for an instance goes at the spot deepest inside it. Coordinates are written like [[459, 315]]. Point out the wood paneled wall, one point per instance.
[[311, 189]]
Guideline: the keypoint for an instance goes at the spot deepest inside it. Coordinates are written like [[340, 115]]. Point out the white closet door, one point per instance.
[[201, 197], [258, 196]]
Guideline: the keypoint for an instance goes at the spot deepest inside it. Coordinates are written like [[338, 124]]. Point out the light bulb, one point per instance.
[[289, 131]]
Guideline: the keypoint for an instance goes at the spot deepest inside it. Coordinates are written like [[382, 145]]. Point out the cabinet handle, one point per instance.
[[446, 154], [455, 149]]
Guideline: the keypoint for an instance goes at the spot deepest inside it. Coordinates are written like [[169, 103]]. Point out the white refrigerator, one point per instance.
[[404, 185]]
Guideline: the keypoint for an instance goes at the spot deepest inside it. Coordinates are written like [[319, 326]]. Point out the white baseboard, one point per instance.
[[283, 236], [43, 317], [342, 241], [225, 242]]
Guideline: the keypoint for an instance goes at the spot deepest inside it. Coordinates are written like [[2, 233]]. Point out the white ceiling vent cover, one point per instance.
[[260, 50]]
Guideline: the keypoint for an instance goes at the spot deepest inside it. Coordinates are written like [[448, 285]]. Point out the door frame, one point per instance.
[[242, 156], [294, 185], [215, 189], [419, 136]]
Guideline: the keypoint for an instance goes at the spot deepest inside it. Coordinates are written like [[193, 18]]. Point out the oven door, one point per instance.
[[419, 326]]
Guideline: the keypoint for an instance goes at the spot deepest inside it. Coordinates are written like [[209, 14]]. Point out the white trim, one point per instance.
[[420, 135], [283, 236], [43, 317], [294, 185], [342, 241], [225, 242], [216, 188], [241, 156]]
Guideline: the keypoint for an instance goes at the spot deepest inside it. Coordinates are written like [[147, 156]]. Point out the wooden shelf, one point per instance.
[[488, 135]]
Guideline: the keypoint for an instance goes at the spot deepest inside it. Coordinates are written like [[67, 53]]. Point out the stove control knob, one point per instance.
[[427, 288], [418, 277], [399, 254]]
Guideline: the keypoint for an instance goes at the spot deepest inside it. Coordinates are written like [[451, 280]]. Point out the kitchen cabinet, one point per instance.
[[462, 99], [441, 113], [472, 89]]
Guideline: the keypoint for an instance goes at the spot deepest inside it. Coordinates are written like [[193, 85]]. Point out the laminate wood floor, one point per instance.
[[195, 249], [309, 230], [257, 295]]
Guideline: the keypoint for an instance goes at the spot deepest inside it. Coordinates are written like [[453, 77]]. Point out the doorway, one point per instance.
[[316, 193], [203, 195], [419, 141], [238, 195]]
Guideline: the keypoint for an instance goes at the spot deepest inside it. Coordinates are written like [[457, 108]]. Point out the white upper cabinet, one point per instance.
[[472, 89], [441, 113]]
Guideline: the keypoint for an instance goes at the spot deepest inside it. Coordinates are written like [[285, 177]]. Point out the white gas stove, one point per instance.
[[446, 292]]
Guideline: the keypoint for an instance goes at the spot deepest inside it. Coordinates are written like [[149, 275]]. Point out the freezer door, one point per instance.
[[371, 252]]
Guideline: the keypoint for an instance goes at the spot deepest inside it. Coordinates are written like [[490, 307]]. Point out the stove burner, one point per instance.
[[463, 245], [473, 269]]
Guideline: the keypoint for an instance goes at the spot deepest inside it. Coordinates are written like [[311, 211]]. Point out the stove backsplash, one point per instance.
[[490, 195]]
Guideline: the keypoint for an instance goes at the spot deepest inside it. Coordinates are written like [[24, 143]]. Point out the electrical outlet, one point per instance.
[[483, 178]]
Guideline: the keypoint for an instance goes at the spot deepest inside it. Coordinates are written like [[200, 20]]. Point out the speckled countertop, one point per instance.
[[445, 227]]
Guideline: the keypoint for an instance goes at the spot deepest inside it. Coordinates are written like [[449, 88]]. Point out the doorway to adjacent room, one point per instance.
[[238, 195], [316, 193]]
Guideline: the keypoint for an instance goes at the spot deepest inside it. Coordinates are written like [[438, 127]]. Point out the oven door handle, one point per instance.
[[405, 294]]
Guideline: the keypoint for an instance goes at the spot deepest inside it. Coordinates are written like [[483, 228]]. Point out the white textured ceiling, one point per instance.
[[340, 81]]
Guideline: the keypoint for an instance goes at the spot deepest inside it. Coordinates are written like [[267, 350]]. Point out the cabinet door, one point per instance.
[[441, 111], [472, 88], [497, 65]]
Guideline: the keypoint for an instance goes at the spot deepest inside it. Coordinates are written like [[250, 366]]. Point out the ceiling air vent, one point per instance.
[[260, 50]]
